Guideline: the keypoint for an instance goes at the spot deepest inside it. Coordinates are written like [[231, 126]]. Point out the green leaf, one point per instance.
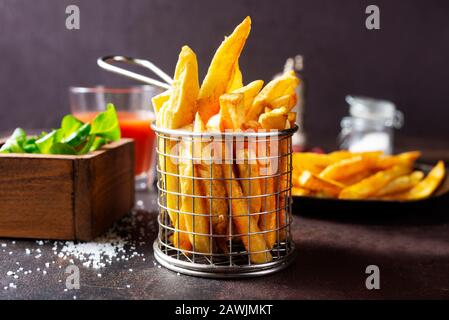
[[45, 143], [69, 125], [62, 148], [86, 148], [15, 143], [98, 143], [30, 146], [78, 137], [106, 124]]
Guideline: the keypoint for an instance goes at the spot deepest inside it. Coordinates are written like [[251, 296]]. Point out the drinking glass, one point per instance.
[[135, 113]]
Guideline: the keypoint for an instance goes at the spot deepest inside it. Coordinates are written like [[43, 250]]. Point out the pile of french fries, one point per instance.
[[225, 204], [363, 175]]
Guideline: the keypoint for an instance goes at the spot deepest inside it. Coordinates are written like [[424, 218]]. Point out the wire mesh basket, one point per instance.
[[224, 202]]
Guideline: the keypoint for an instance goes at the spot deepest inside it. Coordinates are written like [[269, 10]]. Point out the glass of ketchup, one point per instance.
[[135, 114]]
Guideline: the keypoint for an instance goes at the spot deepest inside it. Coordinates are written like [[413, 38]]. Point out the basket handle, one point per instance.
[[106, 64]]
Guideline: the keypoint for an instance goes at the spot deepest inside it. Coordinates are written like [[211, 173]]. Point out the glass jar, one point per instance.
[[370, 126]]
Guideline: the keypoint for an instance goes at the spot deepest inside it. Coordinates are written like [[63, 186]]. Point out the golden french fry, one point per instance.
[[406, 158], [308, 180], [252, 125], [215, 191], [254, 243], [284, 185], [276, 88], [269, 187], [248, 172], [159, 100], [215, 124], [429, 184], [400, 184], [298, 191], [232, 111], [236, 79], [177, 112], [221, 71], [288, 101], [249, 92], [369, 186], [348, 167], [355, 178], [275, 119], [291, 116], [193, 206]]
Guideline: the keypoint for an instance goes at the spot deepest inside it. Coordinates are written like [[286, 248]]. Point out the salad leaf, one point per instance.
[[44, 143], [74, 136], [69, 125], [14, 144], [78, 136], [98, 143], [106, 124], [62, 148]]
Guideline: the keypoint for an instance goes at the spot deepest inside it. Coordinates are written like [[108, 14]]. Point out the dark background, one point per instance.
[[407, 61]]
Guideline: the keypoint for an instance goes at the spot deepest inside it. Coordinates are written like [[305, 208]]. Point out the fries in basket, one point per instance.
[[218, 194], [363, 175]]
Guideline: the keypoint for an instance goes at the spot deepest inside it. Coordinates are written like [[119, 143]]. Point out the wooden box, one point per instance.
[[66, 197]]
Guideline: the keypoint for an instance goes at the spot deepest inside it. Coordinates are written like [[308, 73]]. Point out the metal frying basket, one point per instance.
[[224, 202], [218, 216]]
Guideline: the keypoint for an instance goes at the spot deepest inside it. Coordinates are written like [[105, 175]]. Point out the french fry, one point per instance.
[[175, 113], [355, 178], [221, 71], [215, 191], [308, 180], [369, 186], [231, 110], [269, 186], [298, 191], [429, 184], [252, 125], [406, 158], [249, 92], [254, 243], [283, 85], [248, 172], [194, 207], [159, 100], [400, 184], [236, 79], [274, 119], [288, 101], [348, 167], [291, 116], [215, 124]]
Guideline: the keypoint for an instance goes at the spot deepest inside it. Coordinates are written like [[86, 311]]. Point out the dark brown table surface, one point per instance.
[[412, 253]]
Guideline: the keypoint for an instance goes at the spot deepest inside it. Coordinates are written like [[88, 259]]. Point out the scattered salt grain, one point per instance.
[[27, 251], [12, 285]]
